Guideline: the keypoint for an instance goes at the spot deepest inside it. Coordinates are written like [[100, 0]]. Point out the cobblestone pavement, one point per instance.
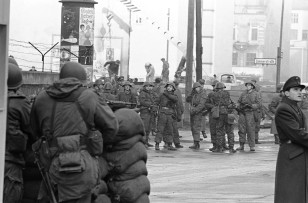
[[191, 176]]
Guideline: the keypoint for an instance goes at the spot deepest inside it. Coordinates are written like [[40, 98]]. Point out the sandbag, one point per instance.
[[125, 144], [103, 167], [130, 124], [129, 191], [144, 198], [102, 199], [121, 160], [135, 170]]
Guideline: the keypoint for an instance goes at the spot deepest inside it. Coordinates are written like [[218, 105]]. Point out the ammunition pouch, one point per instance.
[[95, 143], [16, 141]]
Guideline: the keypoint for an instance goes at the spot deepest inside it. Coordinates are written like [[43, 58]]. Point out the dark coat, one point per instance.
[[291, 169]]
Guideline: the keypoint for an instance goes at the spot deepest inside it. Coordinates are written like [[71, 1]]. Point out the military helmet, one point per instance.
[[220, 85], [214, 83], [13, 61], [196, 84], [107, 86], [250, 82], [146, 84], [99, 82], [14, 80], [73, 70], [157, 80], [171, 84], [201, 81], [127, 83]]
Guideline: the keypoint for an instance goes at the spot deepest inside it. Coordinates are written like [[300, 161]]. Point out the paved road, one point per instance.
[[187, 176]]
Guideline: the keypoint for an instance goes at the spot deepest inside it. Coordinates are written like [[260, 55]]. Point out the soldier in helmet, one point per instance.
[[99, 86], [259, 113], [127, 95], [67, 115], [248, 102], [118, 87], [107, 92], [166, 103], [197, 103], [203, 122], [147, 108], [18, 134], [220, 99]]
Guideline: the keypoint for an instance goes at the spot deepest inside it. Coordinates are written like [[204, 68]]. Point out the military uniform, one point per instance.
[[147, 107], [65, 119], [167, 110], [127, 95], [258, 114], [107, 92], [221, 99], [197, 105], [249, 102]]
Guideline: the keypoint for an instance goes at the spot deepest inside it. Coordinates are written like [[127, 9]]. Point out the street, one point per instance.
[[189, 176]]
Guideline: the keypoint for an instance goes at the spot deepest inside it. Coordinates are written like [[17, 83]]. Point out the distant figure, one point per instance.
[[113, 67], [165, 71], [32, 68], [150, 72]]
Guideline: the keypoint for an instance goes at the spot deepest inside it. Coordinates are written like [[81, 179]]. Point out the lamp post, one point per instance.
[[279, 53]]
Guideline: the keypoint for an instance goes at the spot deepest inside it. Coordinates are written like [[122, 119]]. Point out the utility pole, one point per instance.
[[168, 25], [279, 49], [189, 52], [198, 39], [43, 55]]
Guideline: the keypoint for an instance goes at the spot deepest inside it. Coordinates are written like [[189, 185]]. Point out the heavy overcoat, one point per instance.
[[291, 169]]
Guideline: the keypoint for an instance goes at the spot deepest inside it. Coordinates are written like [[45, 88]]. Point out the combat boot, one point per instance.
[[252, 149], [241, 147], [157, 146], [196, 145], [170, 147], [213, 148], [204, 134], [276, 139], [218, 149], [257, 142], [232, 150], [178, 145]]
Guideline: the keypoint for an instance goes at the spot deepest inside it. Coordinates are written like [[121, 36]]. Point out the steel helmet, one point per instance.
[[171, 84], [13, 61], [14, 80], [108, 86], [196, 84], [146, 84], [99, 82], [250, 82], [214, 83], [220, 85], [73, 70], [147, 64], [127, 83]]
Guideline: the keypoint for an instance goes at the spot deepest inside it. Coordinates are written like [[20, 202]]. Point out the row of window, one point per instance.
[[249, 60], [294, 35]]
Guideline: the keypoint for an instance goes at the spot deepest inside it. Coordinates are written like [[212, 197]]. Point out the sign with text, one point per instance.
[[265, 61]]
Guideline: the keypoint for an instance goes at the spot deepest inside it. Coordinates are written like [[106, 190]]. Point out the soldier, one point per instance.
[[99, 86], [107, 92], [212, 122], [118, 86], [165, 70], [272, 108], [147, 108], [220, 99], [17, 135], [248, 103], [72, 119], [167, 113], [197, 104], [230, 126], [127, 95], [259, 113], [203, 122]]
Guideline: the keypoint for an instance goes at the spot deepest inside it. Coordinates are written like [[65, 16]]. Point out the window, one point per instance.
[[294, 18], [254, 34], [293, 34], [235, 59], [305, 35], [250, 59]]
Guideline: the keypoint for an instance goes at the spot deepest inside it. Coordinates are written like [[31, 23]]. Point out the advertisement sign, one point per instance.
[[86, 26]]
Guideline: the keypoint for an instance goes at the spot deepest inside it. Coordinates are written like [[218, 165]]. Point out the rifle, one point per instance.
[[45, 177], [114, 105]]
